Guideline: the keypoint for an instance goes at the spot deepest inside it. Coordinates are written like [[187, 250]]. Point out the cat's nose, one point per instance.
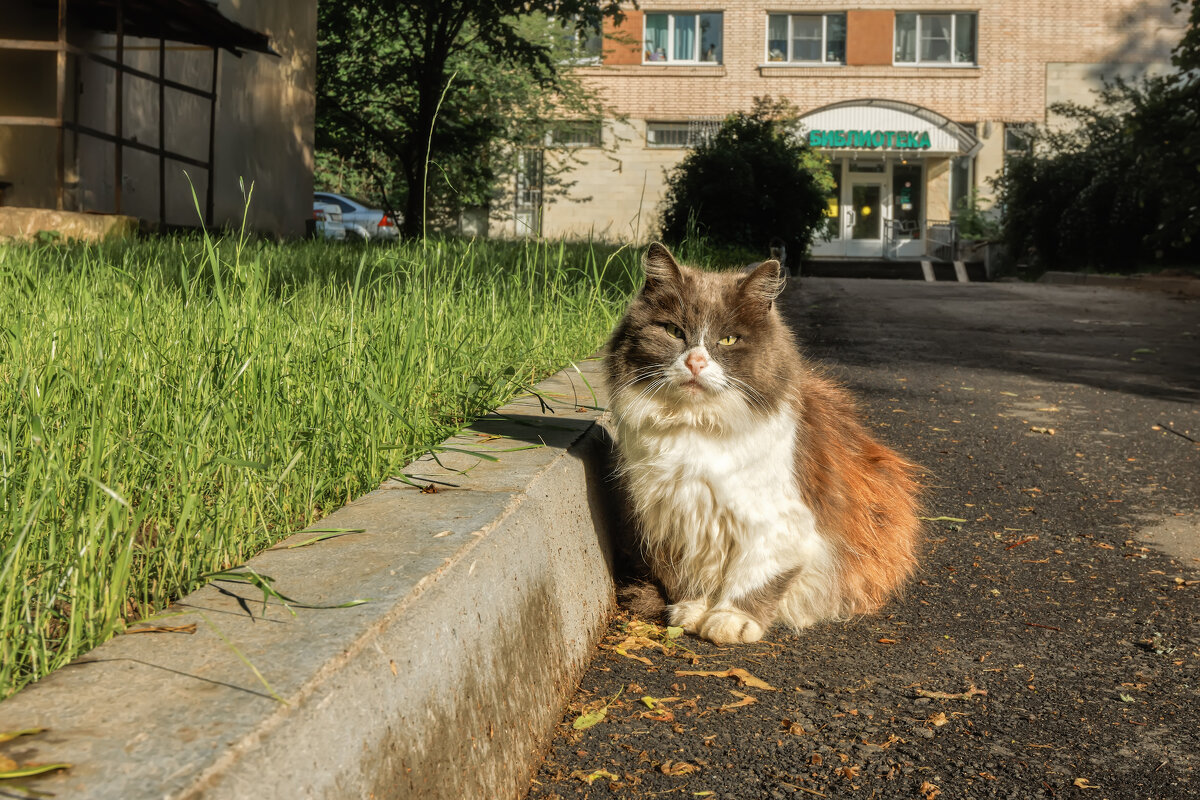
[[696, 361]]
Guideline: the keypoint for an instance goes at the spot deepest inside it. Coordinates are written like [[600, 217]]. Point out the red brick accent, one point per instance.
[[623, 43], [869, 37]]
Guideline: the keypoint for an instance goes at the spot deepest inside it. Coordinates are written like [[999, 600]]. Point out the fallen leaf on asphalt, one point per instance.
[[678, 769], [1038, 429], [930, 790], [8, 736], [886, 641], [849, 772], [1082, 783], [938, 719], [652, 702], [585, 721], [592, 777], [1126, 698], [590, 718], [661, 715], [971, 691], [816, 760], [746, 700], [743, 677]]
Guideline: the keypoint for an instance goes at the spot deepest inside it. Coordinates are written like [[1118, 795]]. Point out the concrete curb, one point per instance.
[[485, 600], [1184, 286]]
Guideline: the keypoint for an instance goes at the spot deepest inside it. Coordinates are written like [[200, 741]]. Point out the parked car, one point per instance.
[[327, 221], [360, 219]]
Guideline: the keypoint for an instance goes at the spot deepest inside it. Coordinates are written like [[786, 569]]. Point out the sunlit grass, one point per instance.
[[169, 408]]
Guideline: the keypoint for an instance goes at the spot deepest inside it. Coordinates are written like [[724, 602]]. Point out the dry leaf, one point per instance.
[[930, 790], [886, 641], [816, 760], [743, 677], [1082, 783], [849, 772], [938, 719], [967, 695], [1047, 431], [678, 769], [661, 715], [440, 534], [746, 700]]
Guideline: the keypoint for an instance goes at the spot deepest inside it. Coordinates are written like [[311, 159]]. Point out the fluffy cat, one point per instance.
[[758, 494]]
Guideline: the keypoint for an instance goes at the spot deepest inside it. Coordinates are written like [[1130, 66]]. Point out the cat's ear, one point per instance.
[[763, 284], [660, 267]]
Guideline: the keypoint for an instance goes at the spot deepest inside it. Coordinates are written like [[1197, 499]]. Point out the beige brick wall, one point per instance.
[[1030, 53]]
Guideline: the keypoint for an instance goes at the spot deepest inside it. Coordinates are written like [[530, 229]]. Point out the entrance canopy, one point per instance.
[[886, 126]]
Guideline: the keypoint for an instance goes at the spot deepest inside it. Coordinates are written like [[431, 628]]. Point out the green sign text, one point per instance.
[[870, 140]]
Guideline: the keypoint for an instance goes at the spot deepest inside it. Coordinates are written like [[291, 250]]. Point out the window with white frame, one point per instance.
[[926, 38], [806, 38], [683, 38], [681, 134], [575, 133]]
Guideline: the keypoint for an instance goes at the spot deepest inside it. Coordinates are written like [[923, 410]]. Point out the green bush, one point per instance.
[[1119, 187], [753, 180]]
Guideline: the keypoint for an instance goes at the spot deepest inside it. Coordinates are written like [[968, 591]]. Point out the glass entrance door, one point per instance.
[[864, 218]]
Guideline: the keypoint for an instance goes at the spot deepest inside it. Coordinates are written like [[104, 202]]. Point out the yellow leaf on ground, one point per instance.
[[746, 700], [585, 721], [592, 777], [938, 719], [742, 676], [1082, 783]]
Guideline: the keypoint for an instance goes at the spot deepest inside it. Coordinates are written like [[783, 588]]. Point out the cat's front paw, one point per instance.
[[730, 627], [687, 614]]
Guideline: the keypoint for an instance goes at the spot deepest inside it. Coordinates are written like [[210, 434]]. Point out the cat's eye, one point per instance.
[[728, 340], [674, 330]]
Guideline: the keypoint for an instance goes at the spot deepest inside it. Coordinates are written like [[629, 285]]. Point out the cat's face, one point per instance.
[[701, 338]]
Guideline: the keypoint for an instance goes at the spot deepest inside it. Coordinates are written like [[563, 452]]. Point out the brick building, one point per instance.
[[915, 103]]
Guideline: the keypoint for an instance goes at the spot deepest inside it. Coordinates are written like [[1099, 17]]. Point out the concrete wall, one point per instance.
[[264, 131]]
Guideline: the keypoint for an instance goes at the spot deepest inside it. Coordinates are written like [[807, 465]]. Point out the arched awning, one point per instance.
[[887, 126]]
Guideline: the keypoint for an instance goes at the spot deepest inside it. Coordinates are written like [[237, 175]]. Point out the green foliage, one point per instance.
[[173, 406], [753, 180], [972, 222], [1119, 186], [426, 99]]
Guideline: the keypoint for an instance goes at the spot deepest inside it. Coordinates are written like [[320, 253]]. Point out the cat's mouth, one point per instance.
[[694, 387]]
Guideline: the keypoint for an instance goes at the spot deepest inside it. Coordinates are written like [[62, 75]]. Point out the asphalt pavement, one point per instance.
[[1049, 645]]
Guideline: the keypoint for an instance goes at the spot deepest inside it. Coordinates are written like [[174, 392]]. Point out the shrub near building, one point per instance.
[[753, 180]]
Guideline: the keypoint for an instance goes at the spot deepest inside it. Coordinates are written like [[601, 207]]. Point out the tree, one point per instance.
[[1120, 185], [420, 93], [753, 180]]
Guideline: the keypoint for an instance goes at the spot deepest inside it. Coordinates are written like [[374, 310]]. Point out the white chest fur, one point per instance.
[[719, 504]]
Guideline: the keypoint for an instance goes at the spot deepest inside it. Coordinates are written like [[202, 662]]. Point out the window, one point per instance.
[[681, 134], [1018, 137], [935, 38], [807, 38], [687, 38], [962, 184], [574, 133]]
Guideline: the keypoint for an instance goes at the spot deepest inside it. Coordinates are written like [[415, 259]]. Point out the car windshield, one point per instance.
[[330, 197]]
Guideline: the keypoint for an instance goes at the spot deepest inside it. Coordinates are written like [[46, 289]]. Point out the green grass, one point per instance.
[[171, 407]]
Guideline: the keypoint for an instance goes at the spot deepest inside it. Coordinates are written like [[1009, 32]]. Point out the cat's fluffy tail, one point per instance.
[[645, 600]]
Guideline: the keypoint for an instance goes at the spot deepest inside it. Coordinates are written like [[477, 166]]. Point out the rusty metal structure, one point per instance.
[[196, 22]]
